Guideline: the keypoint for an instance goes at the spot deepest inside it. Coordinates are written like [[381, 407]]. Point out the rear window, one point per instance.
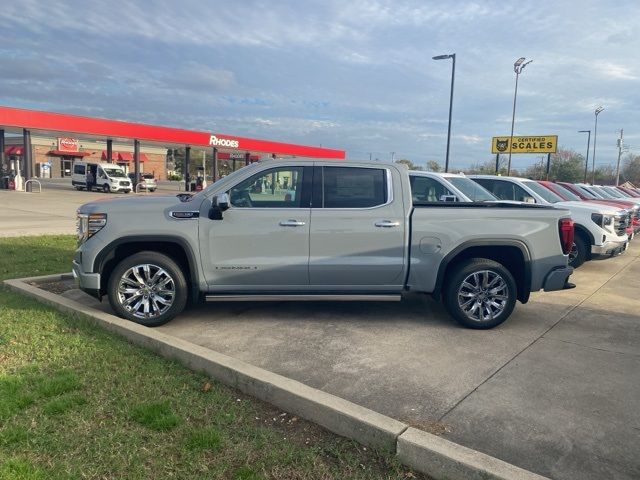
[[349, 187]]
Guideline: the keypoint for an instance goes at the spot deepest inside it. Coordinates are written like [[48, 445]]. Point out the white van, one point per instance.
[[106, 177]]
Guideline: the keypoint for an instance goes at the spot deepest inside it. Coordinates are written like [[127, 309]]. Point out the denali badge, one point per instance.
[[223, 142]]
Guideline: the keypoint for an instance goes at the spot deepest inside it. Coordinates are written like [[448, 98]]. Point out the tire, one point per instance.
[[461, 296], [127, 191], [578, 254], [105, 188], [162, 304]]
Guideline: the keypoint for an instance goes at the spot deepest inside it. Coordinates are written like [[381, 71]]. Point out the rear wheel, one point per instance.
[[578, 253], [480, 293], [148, 288]]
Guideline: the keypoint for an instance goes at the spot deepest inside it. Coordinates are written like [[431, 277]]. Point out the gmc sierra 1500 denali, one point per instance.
[[322, 230]]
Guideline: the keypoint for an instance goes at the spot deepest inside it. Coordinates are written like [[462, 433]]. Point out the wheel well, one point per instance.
[[172, 250], [510, 257], [586, 236]]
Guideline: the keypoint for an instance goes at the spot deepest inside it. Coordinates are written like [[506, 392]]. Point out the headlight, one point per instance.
[[89, 225], [605, 221]]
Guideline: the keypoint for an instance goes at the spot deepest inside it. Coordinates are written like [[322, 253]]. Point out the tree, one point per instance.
[[433, 166], [410, 165], [631, 169], [566, 166], [489, 167]]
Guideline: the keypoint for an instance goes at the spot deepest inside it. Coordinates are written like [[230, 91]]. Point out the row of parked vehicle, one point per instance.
[[605, 218]]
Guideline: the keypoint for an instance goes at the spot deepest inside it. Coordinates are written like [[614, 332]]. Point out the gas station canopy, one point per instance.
[[16, 120]]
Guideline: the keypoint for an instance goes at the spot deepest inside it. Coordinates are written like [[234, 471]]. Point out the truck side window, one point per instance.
[[349, 187], [78, 169], [426, 189], [504, 190], [274, 188]]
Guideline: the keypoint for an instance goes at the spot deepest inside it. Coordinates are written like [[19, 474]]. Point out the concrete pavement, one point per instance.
[[554, 390]]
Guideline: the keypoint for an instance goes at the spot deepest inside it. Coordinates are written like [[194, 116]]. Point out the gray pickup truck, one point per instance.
[[321, 230]]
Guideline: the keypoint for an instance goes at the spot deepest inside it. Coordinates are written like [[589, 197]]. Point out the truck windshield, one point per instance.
[[544, 192], [471, 189], [568, 194], [113, 172]]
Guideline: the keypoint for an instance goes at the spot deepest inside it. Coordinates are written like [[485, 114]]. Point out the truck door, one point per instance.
[[262, 242], [357, 229]]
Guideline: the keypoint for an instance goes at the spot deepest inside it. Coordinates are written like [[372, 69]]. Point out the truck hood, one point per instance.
[[575, 206], [140, 204]]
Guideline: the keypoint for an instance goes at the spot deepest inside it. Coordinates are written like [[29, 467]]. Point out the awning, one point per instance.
[[128, 157], [114, 155], [62, 153], [13, 150]]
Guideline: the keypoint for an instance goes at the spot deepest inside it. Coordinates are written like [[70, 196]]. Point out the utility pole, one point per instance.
[[393, 156], [619, 155]]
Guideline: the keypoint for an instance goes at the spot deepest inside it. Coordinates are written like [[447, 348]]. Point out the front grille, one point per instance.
[[124, 184], [620, 223]]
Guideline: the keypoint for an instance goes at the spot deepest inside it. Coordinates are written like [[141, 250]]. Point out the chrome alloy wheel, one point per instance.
[[483, 295], [146, 291], [573, 253]]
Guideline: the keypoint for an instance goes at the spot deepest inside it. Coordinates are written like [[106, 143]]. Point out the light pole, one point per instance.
[[518, 66], [586, 163], [595, 137], [453, 76]]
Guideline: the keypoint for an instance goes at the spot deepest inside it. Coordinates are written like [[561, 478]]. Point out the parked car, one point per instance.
[[600, 231], [631, 207], [106, 177], [349, 231], [446, 187], [146, 181]]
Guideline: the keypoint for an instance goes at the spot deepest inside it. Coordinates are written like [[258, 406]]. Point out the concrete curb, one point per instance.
[[420, 450], [442, 459]]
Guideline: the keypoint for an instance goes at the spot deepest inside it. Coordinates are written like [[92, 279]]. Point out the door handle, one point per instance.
[[292, 223], [387, 224]]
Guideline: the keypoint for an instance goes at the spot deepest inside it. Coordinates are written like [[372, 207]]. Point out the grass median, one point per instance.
[[78, 402]]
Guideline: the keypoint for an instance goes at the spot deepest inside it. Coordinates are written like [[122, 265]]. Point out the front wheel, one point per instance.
[[578, 253], [480, 293], [105, 188], [148, 288]]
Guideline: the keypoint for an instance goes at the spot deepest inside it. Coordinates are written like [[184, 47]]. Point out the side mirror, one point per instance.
[[222, 201], [448, 198], [220, 204]]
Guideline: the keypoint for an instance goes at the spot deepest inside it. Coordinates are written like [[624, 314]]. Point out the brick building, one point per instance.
[[53, 157]]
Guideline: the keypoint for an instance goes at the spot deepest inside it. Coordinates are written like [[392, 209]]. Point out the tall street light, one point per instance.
[[453, 76], [595, 136], [518, 66], [586, 163]]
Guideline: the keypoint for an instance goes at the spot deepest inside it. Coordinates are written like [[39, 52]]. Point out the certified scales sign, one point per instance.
[[537, 144]]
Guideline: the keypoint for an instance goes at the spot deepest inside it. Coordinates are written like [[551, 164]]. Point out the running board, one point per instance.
[[302, 297]]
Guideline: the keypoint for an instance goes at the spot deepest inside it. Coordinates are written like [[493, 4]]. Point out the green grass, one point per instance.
[[77, 402]]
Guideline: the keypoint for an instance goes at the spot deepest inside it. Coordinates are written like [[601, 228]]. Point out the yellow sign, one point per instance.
[[537, 144]]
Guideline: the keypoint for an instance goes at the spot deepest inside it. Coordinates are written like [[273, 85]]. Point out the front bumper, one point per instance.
[[557, 279], [87, 282], [608, 249]]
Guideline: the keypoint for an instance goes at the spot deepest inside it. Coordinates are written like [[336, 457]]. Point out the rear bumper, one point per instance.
[[557, 278], [608, 249]]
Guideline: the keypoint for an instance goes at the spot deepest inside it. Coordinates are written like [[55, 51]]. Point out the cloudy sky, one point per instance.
[[354, 75]]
